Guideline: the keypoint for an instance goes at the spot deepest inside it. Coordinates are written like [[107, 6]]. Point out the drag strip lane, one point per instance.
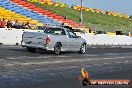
[[19, 68], [68, 61]]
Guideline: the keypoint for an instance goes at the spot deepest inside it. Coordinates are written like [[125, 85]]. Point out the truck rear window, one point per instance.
[[56, 31]]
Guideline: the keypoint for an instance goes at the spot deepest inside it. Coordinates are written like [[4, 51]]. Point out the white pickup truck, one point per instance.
[[54, 39]]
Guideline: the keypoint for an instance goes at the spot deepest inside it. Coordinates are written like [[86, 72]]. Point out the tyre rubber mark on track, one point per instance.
[[64, 61]]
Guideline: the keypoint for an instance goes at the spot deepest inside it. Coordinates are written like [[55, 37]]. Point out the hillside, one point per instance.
[[97, 21]]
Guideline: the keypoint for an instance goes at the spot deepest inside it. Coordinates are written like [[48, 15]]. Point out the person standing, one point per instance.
[[3, 23], [129, 33]]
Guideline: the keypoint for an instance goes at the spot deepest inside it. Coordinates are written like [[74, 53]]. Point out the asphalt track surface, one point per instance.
[[22, 69]]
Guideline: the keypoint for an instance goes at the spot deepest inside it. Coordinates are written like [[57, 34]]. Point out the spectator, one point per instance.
[[129, 33], [9, 24], [62, 25], [22, 26], [16, 24], [27, 26], [65, 17], [3, 23], [90, 30], [13, 23]]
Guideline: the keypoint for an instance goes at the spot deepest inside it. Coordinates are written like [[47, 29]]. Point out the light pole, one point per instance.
[[81, 17]]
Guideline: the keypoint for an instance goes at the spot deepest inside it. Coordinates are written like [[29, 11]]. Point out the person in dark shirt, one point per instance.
[[27, 26], [62, 24], [9, 24], [65, 17]]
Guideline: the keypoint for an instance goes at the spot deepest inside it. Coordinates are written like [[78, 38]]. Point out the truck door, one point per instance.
[[64, 39], [74, 42]]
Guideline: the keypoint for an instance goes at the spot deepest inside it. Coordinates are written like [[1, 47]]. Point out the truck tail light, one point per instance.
[[47, 40]]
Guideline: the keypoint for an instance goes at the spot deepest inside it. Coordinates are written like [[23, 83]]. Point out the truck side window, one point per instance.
[[59, 31], [71, 34], [63, 32], [55, 31]]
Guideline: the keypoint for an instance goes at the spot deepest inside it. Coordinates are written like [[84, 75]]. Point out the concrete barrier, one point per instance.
[[104, 39], [10, 36]]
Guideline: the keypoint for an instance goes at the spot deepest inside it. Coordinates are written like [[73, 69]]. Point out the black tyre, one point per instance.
[[57, 48], [82, 49], [29, 49]]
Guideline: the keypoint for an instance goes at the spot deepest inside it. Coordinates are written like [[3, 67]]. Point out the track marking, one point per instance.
[[119, 62], [89, 55], [28, 57], [111, 54], [62, 61]]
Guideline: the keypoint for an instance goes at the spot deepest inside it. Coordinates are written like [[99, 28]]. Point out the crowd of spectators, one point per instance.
[[14, 24]]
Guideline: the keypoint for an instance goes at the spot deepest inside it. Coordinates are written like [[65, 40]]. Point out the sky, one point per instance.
[[122, 6]]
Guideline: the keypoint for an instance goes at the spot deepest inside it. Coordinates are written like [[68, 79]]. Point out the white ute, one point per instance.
[[54, 39]]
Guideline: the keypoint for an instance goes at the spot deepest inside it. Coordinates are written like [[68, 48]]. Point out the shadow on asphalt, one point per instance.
[[88, 51], [43, 51]]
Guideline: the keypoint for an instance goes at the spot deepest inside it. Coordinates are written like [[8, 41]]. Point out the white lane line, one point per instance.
[[106, 63], [128, 61], [61, 67], [48, 62], [61, 56], [119, 62], [89, 55], [11, 58], [61, 61], [117, 58], [111, 54], [27, 57]]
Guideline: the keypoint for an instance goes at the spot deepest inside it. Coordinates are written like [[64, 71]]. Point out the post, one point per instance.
[[81, 17]]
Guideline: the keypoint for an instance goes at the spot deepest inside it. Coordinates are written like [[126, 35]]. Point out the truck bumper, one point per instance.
[[45, 47]]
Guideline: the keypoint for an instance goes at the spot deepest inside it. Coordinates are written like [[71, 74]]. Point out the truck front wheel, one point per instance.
[[57, 48], [29, 49]]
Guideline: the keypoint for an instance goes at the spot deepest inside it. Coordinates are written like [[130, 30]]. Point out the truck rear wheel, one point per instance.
[[82, 49], [29, 49], [57, 48]]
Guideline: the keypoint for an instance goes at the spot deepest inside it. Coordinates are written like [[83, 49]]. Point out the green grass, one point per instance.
[[94, 20]]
